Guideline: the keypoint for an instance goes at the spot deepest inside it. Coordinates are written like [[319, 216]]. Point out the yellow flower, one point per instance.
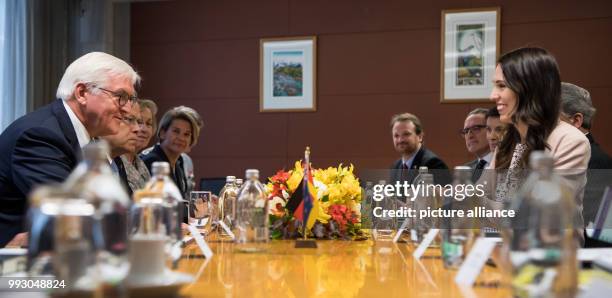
[[296, 176], [351, 187], [269, 187], [322, 216]]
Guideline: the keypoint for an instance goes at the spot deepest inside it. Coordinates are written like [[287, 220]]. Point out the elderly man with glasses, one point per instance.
[[44, 146], [475, 134]]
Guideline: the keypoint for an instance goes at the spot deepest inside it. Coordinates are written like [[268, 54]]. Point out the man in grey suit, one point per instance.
[[475, 134]]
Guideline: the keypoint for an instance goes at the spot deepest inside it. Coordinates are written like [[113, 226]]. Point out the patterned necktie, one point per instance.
[[478, 170]]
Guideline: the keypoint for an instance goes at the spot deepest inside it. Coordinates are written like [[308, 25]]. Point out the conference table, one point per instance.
[[335, 268]]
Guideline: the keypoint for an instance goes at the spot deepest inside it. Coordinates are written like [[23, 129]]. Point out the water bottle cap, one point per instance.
[[252, 173], [539, 159], [463, 168], [160, 167], [463, 173], [97, 150]]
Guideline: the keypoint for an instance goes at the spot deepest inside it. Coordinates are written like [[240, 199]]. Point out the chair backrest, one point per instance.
[[213, 185]]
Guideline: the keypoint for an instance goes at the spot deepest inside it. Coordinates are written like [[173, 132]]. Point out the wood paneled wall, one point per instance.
[[376, 58]]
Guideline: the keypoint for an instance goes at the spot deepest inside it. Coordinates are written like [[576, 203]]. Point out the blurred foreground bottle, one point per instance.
[[175, 208], [459, 233], [251, 213], [542, 244], [148, 239], [94, 181], [61, 239]]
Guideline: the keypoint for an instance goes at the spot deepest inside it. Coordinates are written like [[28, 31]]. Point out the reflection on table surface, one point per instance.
[[334, 269]]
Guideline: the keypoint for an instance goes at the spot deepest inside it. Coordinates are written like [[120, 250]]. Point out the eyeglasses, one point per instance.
[[133, 121], [474, 129], [122, 96]]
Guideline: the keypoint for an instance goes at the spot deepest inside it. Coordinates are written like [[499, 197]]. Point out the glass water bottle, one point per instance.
[[384, 226], [252, 211], [94, 181], [174, 205], [227, 201], [459, 233], [425, 198], [542, 245]]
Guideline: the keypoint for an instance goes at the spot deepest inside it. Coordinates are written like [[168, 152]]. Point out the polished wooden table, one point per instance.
[[334, 269]]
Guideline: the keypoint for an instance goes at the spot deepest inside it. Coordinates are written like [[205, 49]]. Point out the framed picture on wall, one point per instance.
[[288, 74], [470, 47]]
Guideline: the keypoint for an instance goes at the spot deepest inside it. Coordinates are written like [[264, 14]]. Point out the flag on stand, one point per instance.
[[304, 203]]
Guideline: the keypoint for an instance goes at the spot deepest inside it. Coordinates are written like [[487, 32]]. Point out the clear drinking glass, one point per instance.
[[201, 208]]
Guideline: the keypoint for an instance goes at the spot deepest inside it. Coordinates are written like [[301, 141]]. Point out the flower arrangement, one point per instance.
[[339, 202]]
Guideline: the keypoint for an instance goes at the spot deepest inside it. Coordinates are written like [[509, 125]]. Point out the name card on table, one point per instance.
[[206, 251], [429, 237], [590, 254], [473, 263]]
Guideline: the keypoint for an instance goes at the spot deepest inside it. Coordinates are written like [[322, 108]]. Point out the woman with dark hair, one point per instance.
[[527, 89]]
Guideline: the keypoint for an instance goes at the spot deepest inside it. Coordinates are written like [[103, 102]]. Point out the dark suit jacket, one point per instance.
[[599, 158], [425, 158], [597, 180], [179, 178], [37, 148], [472, 164]]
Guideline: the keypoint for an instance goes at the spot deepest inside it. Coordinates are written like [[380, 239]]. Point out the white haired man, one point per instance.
[[45, 145]]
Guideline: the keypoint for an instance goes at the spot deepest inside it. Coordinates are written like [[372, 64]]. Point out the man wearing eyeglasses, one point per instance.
[[475, 134], [44, 146]]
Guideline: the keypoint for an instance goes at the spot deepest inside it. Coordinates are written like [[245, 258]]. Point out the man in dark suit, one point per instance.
[[45, 145], [407, 133], [578, 110], [475, 134]]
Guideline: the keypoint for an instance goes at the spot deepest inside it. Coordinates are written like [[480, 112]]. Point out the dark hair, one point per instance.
[[492, 112], [533, 75], [418, 127]]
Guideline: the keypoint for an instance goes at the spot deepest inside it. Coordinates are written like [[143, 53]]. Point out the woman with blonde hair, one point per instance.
[[136, 172], [179, 130]]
